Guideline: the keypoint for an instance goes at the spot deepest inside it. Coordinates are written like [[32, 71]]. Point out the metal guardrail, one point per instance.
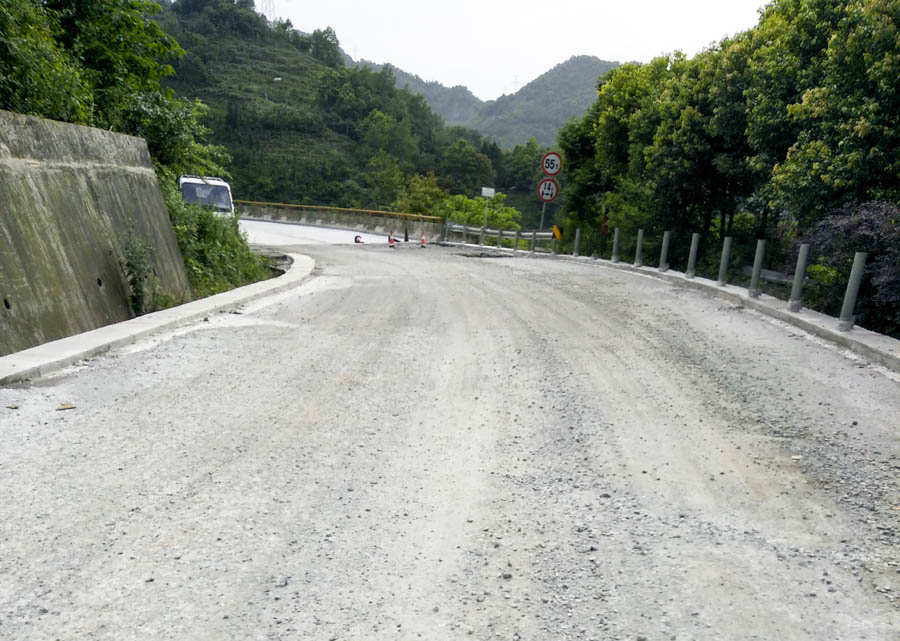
[[346, 210], [532, 236]]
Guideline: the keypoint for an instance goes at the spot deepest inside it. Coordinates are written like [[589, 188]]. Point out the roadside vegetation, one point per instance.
[[788, 131], [216, 89], [101, 63], [303, 127], [215, 250]]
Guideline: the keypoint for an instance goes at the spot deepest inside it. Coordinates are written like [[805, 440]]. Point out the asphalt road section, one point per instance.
[[287, 234], [440, 444]]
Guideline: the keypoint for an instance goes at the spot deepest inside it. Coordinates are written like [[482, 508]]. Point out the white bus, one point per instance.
[[206, 190]]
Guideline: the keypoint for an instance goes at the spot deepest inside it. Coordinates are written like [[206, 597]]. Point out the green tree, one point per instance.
[[382, 132], [847, 146], [605, 168], [326, 48], [173, 129], [464, 170], [520, 168], [490, 212], [421, 195], [121, 50], [37, 75], [384, 178]]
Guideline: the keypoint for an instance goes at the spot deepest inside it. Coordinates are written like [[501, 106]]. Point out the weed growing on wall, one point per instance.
[[138, 270], [145, 293]]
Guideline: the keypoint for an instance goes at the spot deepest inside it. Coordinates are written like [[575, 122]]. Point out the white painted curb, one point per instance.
[[57, 354]]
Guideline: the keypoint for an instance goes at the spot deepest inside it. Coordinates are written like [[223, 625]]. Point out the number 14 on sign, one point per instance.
[[548, 190]]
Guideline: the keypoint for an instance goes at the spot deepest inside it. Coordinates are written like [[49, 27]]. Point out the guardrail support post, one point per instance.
[[664, 254], [692, 259], [639, 250], [499, 238], [615, 253], [577, 242], [757, 268], [481, 237], [796, 300], [516, 241], [533, 241], [553, 245], [723, 265], [856, 276]]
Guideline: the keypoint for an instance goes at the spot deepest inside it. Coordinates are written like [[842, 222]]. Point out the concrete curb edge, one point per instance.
[[49, 357]]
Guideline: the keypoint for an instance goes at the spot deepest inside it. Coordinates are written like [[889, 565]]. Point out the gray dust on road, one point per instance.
[[419, 444]]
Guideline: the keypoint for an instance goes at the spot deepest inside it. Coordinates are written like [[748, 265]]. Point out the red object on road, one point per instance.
[[423, 240], [391, 239]]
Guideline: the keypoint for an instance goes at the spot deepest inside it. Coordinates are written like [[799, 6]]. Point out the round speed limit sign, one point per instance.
[[548, 190], [551, 163]]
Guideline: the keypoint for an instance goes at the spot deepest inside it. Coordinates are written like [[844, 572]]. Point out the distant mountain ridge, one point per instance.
[[456, 105], [537, 110], [544, 105]]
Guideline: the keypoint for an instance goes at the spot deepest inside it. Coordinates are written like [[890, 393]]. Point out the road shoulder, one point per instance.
[[57, 354]]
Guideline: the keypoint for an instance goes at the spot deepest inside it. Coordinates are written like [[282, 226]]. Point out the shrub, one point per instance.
[[872, 227], [216, 253], [138, 269]]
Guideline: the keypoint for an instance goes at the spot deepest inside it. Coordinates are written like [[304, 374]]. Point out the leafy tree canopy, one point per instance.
[[101, 63], [781, 123], [464, 170]]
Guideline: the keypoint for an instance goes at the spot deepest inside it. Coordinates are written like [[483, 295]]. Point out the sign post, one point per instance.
[[487, 193]]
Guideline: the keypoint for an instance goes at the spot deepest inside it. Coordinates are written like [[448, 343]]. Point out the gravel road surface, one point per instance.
[[438, 444]]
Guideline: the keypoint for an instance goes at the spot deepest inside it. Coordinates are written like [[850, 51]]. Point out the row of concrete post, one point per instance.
[[847, 318]]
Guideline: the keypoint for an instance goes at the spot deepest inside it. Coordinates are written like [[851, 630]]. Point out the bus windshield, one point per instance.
[[203, 194]]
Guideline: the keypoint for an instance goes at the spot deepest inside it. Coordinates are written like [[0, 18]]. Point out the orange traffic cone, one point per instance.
[[391, 240], [423, 240]]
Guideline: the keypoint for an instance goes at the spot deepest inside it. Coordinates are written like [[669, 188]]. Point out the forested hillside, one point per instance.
[[783, 132], [536, 111], [301, 126], [456, 105], [544, 105]]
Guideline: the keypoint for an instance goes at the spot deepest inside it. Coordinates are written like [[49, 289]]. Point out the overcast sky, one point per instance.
[[495, 47]]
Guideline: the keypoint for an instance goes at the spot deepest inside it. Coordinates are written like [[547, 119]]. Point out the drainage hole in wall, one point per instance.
[[6, 304], [99, 283]]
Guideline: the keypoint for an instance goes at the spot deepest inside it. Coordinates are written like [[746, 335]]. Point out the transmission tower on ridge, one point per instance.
[[267, 8]]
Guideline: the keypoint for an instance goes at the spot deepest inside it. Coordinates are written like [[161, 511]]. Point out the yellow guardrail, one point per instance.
[[370, 212]]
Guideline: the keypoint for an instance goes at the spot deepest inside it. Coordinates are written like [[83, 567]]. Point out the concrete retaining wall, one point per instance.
[[357, 220], [68, 197]]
